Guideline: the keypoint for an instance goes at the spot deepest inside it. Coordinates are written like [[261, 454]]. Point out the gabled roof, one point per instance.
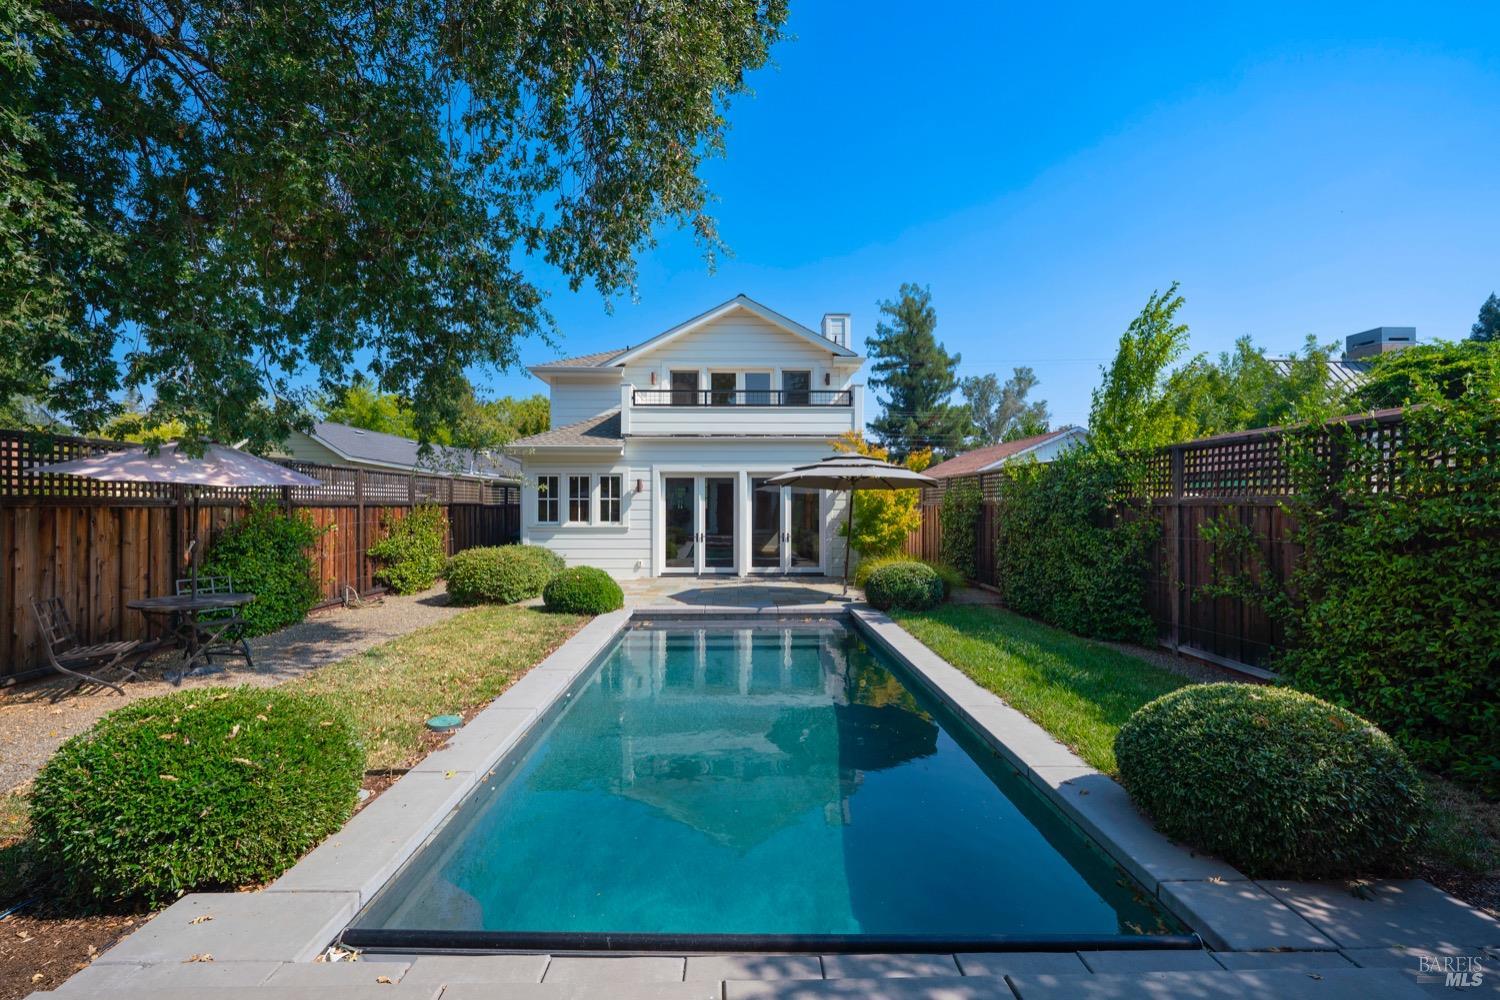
[[602, 432], [984, 459], [355, 444], [614, 359]]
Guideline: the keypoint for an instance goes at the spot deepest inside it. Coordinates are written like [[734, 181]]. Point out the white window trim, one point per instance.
[[536, 511], [588, 498], [618, 499]]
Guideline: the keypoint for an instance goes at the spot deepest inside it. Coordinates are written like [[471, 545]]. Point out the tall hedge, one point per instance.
[[963, 502], [1394, 606], [267, 554], [414, 550], [1070, 550]]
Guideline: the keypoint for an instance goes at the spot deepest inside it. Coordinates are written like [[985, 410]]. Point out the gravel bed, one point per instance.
[[32, 726]]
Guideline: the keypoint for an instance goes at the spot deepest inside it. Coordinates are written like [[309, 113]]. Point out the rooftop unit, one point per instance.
[[1381, 340]]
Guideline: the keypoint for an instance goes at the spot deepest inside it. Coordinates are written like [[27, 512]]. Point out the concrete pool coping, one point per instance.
[[273, 932]]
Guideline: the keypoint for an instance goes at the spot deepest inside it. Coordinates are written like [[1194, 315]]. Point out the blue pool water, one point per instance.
[[781, 780]]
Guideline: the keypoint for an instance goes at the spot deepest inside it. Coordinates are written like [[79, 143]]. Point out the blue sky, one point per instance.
[[1043, 170]]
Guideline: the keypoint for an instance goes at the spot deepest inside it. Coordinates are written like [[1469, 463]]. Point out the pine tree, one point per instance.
[[1486, 329], [917, 378]]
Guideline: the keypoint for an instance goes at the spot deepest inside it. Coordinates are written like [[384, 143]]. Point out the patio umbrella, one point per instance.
[[218, 466], [852, 473]]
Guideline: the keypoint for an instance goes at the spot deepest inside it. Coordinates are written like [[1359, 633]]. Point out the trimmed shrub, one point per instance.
[[213, 788], [266, 552], [912, 585], [583, 590], [414, 549], [952, 578], [1276, 782], [500, 574]]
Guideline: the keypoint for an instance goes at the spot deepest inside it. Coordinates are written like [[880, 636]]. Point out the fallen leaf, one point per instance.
[[233, 732], [245, 761], [449, 774], [384, 980], [201, 919], [167, 777], [262, 718], [205, 957], [37, 977], [1217, 880]]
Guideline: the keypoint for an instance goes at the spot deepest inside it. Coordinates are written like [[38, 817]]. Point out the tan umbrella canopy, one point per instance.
[[852, 473], [218, 466]]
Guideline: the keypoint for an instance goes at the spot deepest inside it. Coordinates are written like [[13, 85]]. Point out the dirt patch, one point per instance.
[[37, 953]]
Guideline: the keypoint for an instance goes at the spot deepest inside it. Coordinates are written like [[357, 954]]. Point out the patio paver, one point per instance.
[[1240, 916], [1389, 913], [1011, 963], [947, 988], [581, 991], [240, 926], [452, 970], [705, 968], [1327, 984], [885, 966], [1288, 961], [362, 973], [1149, 961], [611, 971]]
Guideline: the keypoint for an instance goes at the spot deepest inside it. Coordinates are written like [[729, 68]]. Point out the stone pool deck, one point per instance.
[[1265, 939]]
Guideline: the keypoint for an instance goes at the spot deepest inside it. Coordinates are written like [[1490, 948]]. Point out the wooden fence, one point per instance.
[[1240, 478], [100, 545]]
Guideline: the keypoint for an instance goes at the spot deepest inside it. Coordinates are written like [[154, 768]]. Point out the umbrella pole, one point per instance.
[[848, 537]]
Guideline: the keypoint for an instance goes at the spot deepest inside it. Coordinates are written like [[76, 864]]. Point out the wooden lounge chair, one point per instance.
[[69, 656], [220, 631]]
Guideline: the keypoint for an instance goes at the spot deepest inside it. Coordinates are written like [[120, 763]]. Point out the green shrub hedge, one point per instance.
[[952, 578], [414, 549], [1276, 782], [500, 574], [1066, 549], [915, 586], [212, 788], [963, 502], [583, 590], [267, 554]]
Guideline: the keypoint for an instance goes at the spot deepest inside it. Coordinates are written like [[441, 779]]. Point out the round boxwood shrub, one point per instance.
[[583, 590], [212, 788], [501, 574], [1276, 782], [913, 585]]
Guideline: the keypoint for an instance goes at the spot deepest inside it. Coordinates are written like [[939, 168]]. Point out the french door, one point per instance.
[[786, 529], [700, 524]]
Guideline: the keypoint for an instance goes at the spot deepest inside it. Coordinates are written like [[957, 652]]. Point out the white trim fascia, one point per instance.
[[738, 302]]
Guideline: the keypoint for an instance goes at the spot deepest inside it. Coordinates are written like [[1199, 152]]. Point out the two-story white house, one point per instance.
[[657, 456]]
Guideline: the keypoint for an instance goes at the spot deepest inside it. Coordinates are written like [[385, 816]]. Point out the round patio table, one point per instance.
[[182, 612]]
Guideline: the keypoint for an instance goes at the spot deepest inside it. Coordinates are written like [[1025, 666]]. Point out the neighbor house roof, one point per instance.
[[601, 432], [1346, 375], [355, 444], [981, 459]]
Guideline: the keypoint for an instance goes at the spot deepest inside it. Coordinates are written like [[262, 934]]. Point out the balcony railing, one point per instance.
[[742, 397]]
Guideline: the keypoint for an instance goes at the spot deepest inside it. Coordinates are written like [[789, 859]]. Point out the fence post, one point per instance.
[[359, 531], [1175, 548]]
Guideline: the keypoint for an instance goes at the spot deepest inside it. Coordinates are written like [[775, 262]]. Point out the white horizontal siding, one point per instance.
[[825, 421], [573, 401], [739, 341], [622, 550]]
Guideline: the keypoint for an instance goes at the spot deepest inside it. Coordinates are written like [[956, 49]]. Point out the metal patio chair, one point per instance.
[[68, 655], [219, 630]]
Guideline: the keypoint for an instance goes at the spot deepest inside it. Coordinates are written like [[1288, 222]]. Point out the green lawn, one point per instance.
[[1078, 690], [458, 664]]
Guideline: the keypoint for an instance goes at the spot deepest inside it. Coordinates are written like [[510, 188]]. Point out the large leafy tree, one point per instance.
[[211, 201], [1441, 369], [1243, 389], [1000, 411], [480, 425], [1132, 408], [1487, 327], [918, 378]]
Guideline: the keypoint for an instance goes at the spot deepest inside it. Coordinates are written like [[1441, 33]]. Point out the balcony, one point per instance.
[[823, 413], [742, 397]]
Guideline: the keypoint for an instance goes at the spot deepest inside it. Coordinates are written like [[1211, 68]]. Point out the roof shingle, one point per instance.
[[601, 432], [982, 458]]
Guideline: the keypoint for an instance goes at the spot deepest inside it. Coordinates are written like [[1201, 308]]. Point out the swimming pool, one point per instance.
[[734, 785]]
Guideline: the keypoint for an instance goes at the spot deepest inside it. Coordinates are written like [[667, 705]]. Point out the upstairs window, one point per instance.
[[610, 490], [684, 388], [578, 500], [547, 492], [721, 387], [758, 388]]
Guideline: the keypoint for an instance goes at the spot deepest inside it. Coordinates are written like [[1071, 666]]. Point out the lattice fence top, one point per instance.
[[338, 485], [1244, 465]]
